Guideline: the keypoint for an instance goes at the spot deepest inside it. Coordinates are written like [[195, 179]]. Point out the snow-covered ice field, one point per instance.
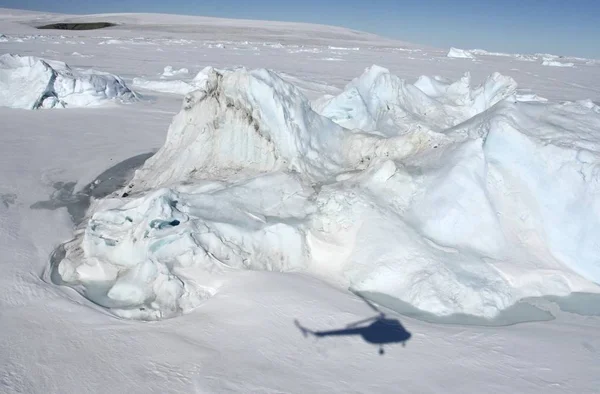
[[293, 162]]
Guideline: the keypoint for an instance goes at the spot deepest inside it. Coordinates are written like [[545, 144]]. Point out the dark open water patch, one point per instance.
[[78, 26], [77, 203]]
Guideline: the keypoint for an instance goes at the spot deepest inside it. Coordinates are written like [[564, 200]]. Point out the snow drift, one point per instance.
[[30, 83], [456, 199]]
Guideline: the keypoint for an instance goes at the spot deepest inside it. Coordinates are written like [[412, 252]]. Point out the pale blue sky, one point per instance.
[[556, 26]]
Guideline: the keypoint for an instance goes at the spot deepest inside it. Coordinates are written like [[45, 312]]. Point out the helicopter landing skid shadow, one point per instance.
[[381, 330]]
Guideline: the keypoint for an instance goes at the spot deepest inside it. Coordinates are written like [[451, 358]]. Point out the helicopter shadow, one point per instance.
[[381, 331]]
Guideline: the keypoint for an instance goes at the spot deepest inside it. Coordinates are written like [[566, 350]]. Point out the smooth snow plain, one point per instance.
[[283, 181]]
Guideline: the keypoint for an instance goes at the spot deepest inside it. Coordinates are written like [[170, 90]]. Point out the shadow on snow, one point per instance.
[[381, 331]]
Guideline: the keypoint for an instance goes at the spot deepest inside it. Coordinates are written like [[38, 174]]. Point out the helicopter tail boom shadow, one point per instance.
[[346, 331]]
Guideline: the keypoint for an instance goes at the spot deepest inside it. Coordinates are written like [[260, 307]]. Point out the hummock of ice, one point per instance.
[[30, 83], [460, 53], [456, 199], [170, 72]]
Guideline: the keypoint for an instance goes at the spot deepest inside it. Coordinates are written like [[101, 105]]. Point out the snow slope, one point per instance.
[[30, 83], [240, 336]]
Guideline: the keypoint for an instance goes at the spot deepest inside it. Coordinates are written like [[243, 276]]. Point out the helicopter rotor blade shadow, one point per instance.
[[363, 321], [367, 301]]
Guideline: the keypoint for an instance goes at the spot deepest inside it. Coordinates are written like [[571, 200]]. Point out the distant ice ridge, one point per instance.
[[488, 53], [174, 86], [547, 59], [456, 199], [518, 56], [80, 55], [111, 42], [460, 53], [164, 86], [554, 63], [30, 83]]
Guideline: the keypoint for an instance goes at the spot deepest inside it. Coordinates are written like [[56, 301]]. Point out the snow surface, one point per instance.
[[30, 83], [500, 150]]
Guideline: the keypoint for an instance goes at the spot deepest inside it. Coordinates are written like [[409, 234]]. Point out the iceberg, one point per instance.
[[451, 197]]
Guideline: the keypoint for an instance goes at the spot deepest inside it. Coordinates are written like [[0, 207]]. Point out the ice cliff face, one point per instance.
[[452, 198]]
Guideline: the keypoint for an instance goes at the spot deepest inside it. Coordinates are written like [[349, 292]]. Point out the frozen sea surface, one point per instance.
[[243, 337]]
